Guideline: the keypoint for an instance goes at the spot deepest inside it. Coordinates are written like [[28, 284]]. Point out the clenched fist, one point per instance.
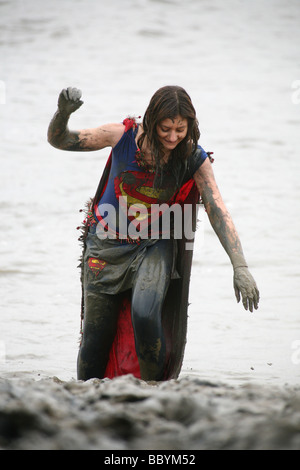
[[69, 100]]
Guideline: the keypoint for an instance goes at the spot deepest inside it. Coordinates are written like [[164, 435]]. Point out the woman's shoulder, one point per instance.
[[196, 159], [198, 155], [116, 129], [121, 130], [110, 133]]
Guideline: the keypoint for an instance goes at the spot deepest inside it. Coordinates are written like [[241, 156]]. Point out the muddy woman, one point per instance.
[[135, 272]]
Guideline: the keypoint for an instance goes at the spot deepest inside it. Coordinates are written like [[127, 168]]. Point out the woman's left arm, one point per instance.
[[222, 223]]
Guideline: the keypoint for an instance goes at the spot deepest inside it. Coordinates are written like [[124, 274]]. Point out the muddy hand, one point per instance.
[[245, 286], [69, 100]]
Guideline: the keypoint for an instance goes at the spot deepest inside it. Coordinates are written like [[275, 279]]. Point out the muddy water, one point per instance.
[[240, 63]]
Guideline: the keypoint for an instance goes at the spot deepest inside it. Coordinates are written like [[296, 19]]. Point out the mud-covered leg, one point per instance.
[[150, 287], [99, 329]]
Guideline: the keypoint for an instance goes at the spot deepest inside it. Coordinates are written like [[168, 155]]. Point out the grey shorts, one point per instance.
[[110, 265]]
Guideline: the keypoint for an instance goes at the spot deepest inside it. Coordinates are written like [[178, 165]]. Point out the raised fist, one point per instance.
[[69, 100]]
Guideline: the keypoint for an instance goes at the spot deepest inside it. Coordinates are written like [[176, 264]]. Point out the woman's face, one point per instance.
[[172, 131]]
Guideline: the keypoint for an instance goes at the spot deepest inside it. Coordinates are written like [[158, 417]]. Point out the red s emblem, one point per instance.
[[96, 265]]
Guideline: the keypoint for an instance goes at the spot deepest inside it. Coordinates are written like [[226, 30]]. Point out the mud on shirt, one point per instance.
[[130, 205]]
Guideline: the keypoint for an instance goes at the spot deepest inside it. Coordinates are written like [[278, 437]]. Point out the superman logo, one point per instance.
[[96, 265], [136, 189]]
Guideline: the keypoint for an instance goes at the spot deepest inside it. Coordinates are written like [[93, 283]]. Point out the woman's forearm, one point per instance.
[[218, 214], [57, 129], [59, 135], [223, 225]]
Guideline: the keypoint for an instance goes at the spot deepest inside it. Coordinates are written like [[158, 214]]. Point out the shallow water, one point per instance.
[[240, 63]]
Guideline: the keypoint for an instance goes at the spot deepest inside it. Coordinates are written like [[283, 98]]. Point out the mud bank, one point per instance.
[[126, 413]]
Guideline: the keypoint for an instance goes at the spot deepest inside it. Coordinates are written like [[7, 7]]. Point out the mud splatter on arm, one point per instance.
[[86, 140], [218, 214], [59, 136], [222, 223]]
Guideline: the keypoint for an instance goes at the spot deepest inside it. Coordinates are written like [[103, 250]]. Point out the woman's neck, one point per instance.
[[146, 149]]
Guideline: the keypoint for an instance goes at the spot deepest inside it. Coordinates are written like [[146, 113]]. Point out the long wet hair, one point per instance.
[[167, 103]]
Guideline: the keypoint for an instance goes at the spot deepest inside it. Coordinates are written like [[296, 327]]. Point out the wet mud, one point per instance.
[[126, 413]]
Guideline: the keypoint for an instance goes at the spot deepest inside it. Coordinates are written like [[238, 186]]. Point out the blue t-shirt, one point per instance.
[[130, 194]]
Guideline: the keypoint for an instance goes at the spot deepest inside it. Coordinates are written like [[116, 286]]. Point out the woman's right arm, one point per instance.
[[61, 137]]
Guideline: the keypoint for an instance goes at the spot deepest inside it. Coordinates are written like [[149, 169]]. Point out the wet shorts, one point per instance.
[[110, 265]]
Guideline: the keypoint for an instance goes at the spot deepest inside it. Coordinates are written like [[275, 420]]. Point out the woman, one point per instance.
[[131, 261]]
